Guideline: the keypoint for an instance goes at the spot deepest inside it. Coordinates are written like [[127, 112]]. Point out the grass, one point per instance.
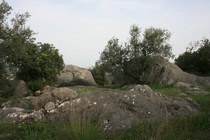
[[188, 128], [78, 129], [181, 128], [84, 89], [168, 90], [204, 101], [178, 129]]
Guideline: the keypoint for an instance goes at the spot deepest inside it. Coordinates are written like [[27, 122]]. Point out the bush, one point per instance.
[[42, 66], [196, 58], [98, 74], [36, 85], [30, 61], [7, 88]]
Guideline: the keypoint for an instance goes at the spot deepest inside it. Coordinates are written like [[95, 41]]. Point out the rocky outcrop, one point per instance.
[[73, 75], [163, 72], [57, 95], [114, 110]]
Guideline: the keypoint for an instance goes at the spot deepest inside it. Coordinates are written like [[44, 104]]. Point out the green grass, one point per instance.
[[204, 101], [79, 129], [188, 128], [84, 89], [168, 90], [181, 128]]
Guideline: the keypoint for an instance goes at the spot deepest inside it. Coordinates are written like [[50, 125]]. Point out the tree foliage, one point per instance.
[[43, 61], [196, 59], [156, 43], [98, 72], [133, 58], [111, 57], [21, 55], [133, 47]]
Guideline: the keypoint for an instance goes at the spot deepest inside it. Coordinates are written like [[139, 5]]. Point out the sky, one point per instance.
[[80, 29]]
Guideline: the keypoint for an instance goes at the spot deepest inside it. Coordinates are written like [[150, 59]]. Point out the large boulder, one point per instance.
[[163, 72], [115, 110], [73, 75]]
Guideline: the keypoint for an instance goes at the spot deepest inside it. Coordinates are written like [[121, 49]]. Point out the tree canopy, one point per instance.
[[196, 59], [133, 58], [22, 55]]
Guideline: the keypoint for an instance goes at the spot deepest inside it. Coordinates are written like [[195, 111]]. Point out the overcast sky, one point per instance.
[[80, 29]]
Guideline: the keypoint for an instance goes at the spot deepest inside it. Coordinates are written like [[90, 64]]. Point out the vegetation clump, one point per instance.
[[196, 58], [22, 57], [129, 61]]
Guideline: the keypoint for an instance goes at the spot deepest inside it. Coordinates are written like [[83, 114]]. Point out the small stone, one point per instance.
[[78, 100], [12, 115], [183, 95], [37, 93], [132, 89], [49, 106], [23, 116], [57, 102], [37, 115], [46, 88], [63, 104], [106, 121], [53, 111]]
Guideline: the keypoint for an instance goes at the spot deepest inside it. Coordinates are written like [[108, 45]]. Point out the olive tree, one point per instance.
[[135, 57], [133, 46], [111, 57], [156, 43]]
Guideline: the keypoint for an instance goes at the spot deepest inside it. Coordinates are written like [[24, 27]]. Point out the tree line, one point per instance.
[[129, 61]]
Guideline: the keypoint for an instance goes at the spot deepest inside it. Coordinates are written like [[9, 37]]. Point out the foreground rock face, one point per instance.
[[166, 73], [73, 75], [115, 110]]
